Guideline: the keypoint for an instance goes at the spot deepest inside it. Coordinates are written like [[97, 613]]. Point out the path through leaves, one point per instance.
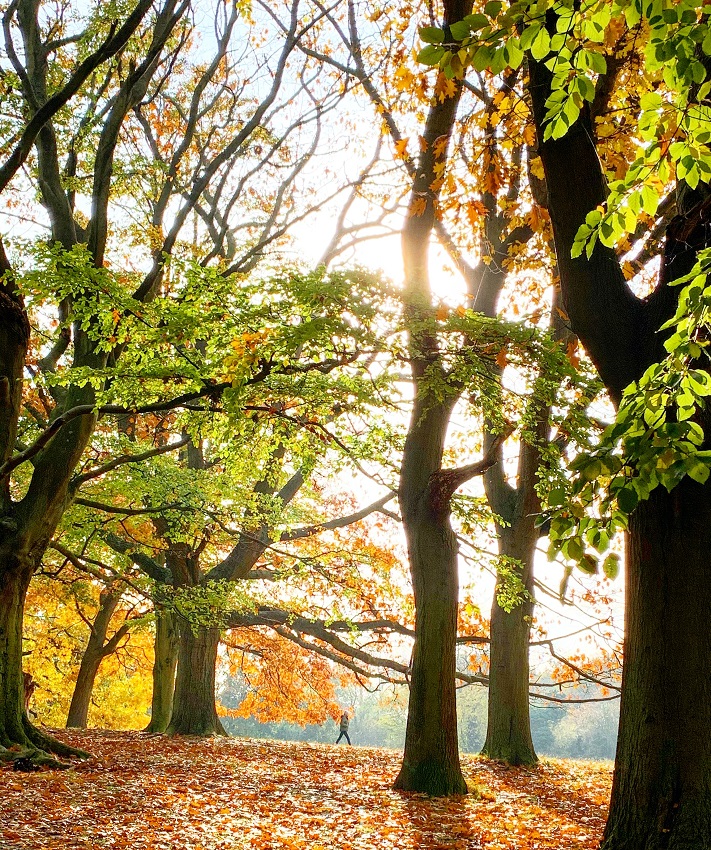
[[227, 794]]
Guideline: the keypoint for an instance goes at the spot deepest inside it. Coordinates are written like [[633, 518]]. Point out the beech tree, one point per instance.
[[83, 278], [474, 199], [661, 794], [27, 520]]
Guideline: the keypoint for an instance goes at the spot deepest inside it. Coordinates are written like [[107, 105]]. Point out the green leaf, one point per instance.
[[431, 55], [528, 36], [493, 8], [650, 200], [557, 497], [573, 549], [541, 46], [627, 499], [476, 22], [588, 564], [482, 58], [611, 566], [513, 53], [460, 30], [699, 472], [432, 35], [597, 62]]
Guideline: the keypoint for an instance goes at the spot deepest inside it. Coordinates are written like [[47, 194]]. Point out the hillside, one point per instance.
[[223, 794]]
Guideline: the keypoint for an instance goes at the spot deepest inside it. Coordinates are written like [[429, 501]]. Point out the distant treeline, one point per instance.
[[579, 730]]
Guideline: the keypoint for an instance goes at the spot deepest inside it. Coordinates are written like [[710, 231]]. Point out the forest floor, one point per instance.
[[142, 791]]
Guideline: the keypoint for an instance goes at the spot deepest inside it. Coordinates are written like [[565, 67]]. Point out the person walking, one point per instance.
[[345, 722]]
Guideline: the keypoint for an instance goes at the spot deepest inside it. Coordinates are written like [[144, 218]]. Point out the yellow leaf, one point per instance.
[[475, 211], [571, 353], [444, 88], [403, 78], [628, 270], [440, 146], [537, 168], [442, 312], [529, 135]]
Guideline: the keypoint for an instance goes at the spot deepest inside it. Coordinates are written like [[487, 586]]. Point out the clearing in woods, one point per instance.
[[142, 791]]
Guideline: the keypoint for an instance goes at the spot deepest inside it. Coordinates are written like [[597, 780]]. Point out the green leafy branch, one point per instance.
[[657, 438], [569, 39]]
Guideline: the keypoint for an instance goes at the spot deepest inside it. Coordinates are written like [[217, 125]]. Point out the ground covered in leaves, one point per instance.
[[142, 791]]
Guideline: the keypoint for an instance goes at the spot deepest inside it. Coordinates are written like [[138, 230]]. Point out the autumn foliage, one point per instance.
[[143, 791]]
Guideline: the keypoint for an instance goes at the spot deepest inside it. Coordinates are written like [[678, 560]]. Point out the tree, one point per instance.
[[661, 794], [98, 646], [481, 204], [27, 520], [106, 684], [94, 303]]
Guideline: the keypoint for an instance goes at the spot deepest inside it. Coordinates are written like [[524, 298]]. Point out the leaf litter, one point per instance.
[[142, 791]]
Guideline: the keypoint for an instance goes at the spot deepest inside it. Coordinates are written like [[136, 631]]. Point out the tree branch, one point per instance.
[[115, 42], [78, 480]]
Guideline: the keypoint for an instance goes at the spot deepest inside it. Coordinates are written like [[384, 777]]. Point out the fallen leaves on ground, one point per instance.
[[144, 791]]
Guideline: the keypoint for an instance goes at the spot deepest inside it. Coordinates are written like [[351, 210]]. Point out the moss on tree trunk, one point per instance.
[[194, 710], [164, 667]]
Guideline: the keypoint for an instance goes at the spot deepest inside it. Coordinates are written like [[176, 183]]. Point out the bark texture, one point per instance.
[[661, 796], [164, 667], [194, 711]]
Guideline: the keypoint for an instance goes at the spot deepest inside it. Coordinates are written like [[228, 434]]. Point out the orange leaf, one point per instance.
[[417, 207], [401, 149]]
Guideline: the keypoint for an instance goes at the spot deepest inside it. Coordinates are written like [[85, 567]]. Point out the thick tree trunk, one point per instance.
[[661, 797], [194, 711], [16, 731], [164, 666], [431, 758], [508, 733], [13, 588]]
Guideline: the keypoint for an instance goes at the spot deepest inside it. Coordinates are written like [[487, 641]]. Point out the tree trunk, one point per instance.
[[16, 731], [661, 796], [96, 649], [164, 666], [508, 732], [13, 588], [194, 711], [431, 758], [81, 698]]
